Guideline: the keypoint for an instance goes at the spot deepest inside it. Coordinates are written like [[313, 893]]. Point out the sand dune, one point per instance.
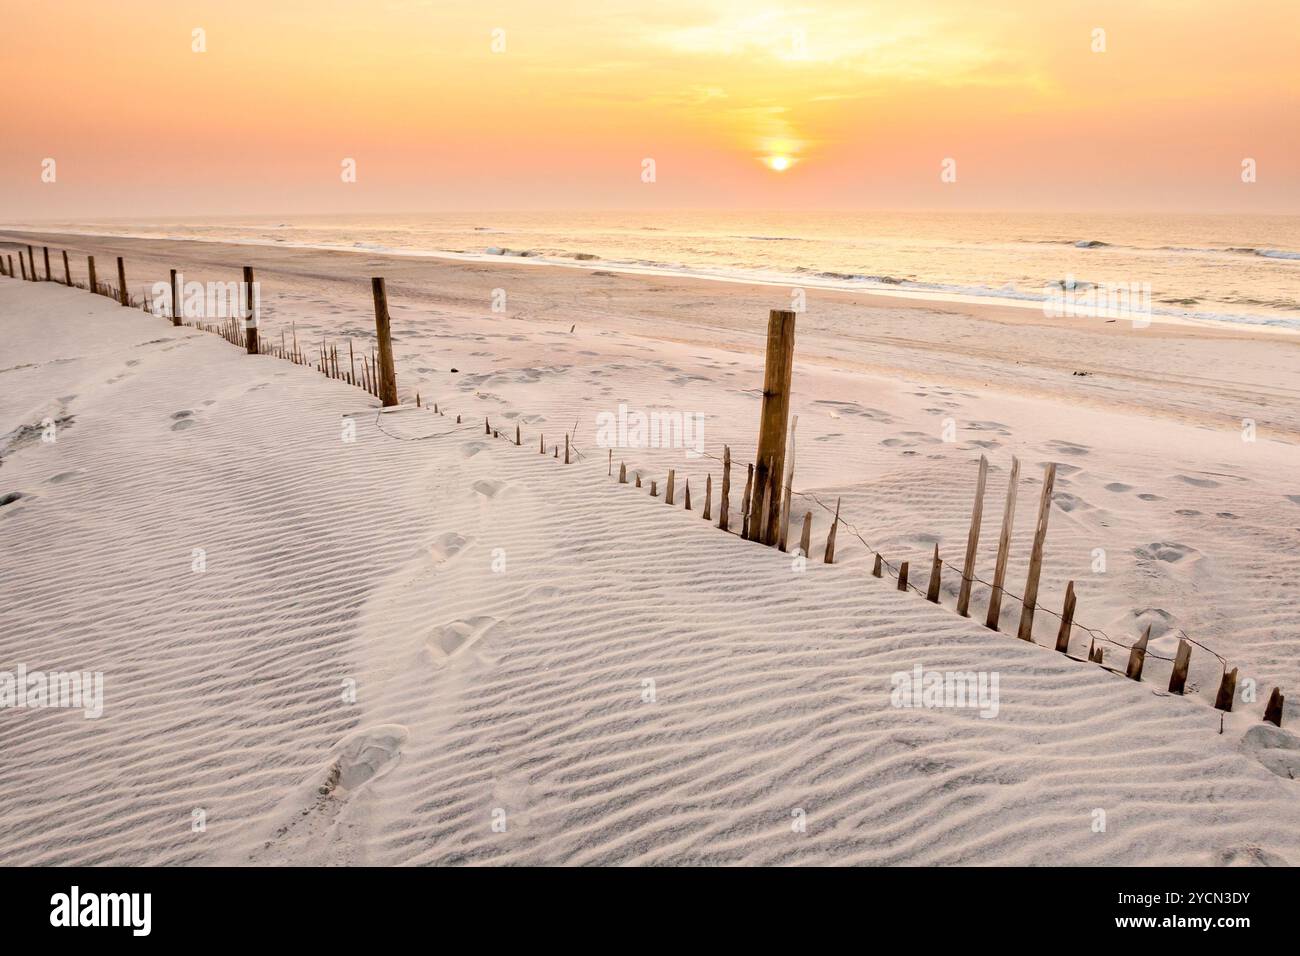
[[550, 667]]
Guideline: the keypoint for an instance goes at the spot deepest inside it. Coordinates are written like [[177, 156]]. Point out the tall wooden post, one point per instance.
[[725, 502], [45, 251], [251, 318], [1004, 547], [90, 267], [22, 262], [176, 299], [774, 416], [4, 270], [1026, 632], [972, 540], [31, 261], [387, 374], [123, 297], [67, 269]]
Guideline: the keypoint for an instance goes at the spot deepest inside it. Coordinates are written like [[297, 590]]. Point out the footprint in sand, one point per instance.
[[1068, 447], [1118, 487], [1147, 496], [63, 476], [490, 487], [454, 639], [447, 546], [1068, 502], [1248, 856], [183, 419], [365, 756], [473, 448], [1197, 482], [1277, 749], [1168, 551], [10, 497]]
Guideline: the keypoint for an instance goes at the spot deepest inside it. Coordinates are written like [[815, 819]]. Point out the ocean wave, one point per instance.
[[1277, 254]]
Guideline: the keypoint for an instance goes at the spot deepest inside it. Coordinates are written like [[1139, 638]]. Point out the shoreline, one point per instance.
[[917, 297]]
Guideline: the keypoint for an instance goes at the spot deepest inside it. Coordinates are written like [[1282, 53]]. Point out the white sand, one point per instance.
[[522, 690]]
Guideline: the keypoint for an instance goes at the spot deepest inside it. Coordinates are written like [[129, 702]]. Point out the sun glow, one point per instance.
[[778, 163]]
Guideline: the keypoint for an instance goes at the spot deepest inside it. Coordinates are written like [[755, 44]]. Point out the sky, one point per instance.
[[178, 108]]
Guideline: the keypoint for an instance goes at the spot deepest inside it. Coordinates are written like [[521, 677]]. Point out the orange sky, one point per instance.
[[865, 99]]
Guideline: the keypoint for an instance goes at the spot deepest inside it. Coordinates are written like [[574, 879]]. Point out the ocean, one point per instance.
[[1211, 268]]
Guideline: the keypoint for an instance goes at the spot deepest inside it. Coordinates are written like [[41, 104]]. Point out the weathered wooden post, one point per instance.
[[668, 490], [1227, 690], [708, 495], [936, 569], [90, 268], [67, 269], [123, 297], [519, 435], [251, 318], [1273, 710], [1182, 660], [4, 270], [622, 473], [876, 570], [902, 576], [23, 263], [487, 426], [45, 251], [774, 415], [1067, 620], [744, 501], [11, 267], [830, 538], [1137, 657], [972, 540], [654, 488], [1036, 557], [387, 373], [687, 495], [805, 536], [787, 485], [566, 448], [724, 504], [176, 298], [1004, 547], [31, 261]]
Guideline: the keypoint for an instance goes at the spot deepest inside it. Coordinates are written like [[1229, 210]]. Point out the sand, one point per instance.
[[550, 667]]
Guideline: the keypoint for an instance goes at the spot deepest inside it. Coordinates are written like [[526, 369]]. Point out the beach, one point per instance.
[[429, 645]]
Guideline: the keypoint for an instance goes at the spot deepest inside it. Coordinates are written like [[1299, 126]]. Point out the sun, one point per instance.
[[778, 163]]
